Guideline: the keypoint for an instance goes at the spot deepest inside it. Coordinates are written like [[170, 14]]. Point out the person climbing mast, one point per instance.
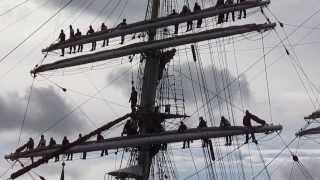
[[133, 99], [247, 123]]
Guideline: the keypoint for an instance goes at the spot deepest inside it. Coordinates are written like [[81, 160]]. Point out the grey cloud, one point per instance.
[[46, 108]]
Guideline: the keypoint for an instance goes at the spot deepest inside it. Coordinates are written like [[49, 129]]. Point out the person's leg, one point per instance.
[[247, 138]]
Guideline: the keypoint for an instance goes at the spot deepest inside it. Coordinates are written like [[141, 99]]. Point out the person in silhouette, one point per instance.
[[42, 143], [176, 26], [52, 144], [99, 139], [84, 154], [104, 28], [182, 128], [229, 3], [244, 11], [78, 36], [129, 128], [94, 43], [133, 99], [203, 124], [123, 24], [72, 37], [197, 8], [247, 123], [224, 123], [65, 142], [30, 145], [220, 4], [62, 38], [186, 11]]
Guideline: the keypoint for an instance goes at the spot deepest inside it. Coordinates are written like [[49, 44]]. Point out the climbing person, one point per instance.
[[94, 43], [186, 11], [197, 8], [220, 4], [84, 154], [53, 143], [176, 26], [203, 124], [78, 36], [120, 26], [165, 58], [104, 151], [224, 123], [182, 128], [62, 38], [72, 37], [247, 123], [133, 99], [42, 143], [30, 144], [229, 3], [104, 28], [244, 11], [65, 142]]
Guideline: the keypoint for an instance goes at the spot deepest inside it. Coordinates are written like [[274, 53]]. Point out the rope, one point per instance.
[[14, 7]]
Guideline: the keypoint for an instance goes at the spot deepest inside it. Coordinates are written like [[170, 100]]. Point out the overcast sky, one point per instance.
[[290, 101]]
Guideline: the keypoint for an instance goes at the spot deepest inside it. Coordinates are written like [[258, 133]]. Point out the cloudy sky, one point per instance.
[[99, 93]]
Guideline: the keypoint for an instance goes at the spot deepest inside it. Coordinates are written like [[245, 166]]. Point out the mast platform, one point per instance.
[[148, 139], [143, 26]]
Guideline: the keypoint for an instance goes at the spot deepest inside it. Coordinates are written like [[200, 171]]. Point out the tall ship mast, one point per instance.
[[151, 115]]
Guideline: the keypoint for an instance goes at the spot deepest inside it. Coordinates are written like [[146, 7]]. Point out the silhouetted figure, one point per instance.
[[129, 128], [120, 26], [42, 143], [133, 99], [230, 3], [94, 43], [220, 4], [99, 139], [165, 58], [203, 124], [72, 37], [186, 11], [176, 26], [244, 11], [65, 142], [247, 123], [104, 28], [52, 144], [224, 123], [182, 128], [78, 36], [84, 154], [30, 144], [62, 38], [197, 8]]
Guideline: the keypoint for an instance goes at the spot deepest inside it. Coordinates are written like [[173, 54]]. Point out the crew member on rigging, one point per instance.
[[52, 144], [133, 99], [224, 123], [247, 123], [129, 128], [182, 128], [176, 26], [42, 143], [78, 36], [244, 11], [186, 11], [84, 154], [229, 3], [65, 142], [62, 38], [72, 38], [104, 28], [120, 26], [99, 139], [197, 8], [220, 4], [203, 124], [94, 43], [30, 144]]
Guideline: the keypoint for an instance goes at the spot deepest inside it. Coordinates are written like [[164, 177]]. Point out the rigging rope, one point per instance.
[[14, 7]]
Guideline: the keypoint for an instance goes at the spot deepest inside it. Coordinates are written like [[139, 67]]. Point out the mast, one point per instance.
[[148, 95]]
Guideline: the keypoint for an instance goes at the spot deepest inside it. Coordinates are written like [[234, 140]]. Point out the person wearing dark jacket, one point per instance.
[[78, 36], [176, 26], [224, 123], [197, 8], [42, 143], [186, 11], [203, 124], [62, 38], [244, 11], [120, 26], [247, 123], [99, 139], [104, 28], [133, 99], [94, 43], [65, 142], [84, 154], [230, 3], [72, 37], [53, 143], [182, 128], [220, 4]]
